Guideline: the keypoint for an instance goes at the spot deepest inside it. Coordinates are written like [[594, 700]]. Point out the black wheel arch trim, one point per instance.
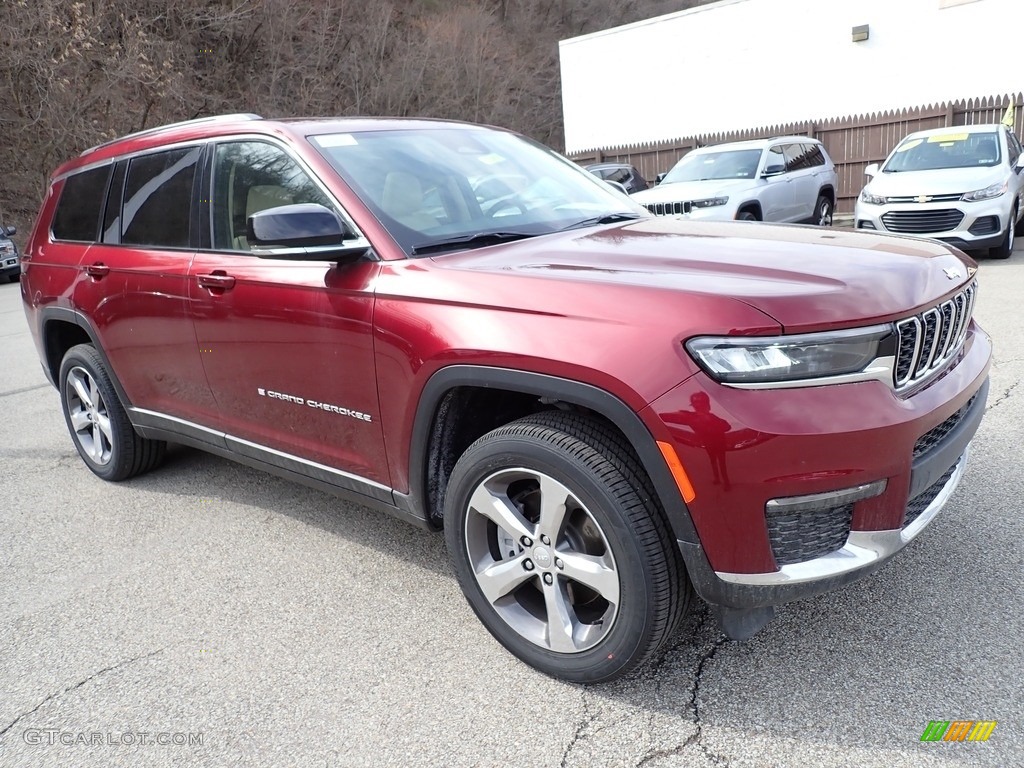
[[566, 390], [73, 317]]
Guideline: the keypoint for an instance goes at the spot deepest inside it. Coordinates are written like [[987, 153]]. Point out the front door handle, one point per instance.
[[217, 281], [97, 271]]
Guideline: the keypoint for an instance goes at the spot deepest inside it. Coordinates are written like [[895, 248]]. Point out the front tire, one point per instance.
[[1005, 248], [99, 426], [561, 548]]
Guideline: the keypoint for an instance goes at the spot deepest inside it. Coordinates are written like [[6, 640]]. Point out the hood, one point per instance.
[[805, 278], [693, 190], [944, 181]]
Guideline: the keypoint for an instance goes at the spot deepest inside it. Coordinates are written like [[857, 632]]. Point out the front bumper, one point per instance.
[[9, 265], [982, 225], [797, 446]]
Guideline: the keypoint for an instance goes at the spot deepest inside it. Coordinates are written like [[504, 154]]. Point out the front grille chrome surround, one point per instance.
[[929, 340]]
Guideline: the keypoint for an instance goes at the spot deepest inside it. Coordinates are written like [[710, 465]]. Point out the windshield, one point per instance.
[[729, 164], [946, 150], [462, 186]]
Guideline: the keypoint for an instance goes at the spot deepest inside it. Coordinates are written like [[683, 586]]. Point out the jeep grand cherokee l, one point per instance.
[[605, 411], [786, 179]]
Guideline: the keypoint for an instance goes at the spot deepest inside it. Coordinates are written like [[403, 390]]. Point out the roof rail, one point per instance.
[[157, 129]]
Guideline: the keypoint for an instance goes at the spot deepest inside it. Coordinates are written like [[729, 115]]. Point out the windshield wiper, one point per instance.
[[476, 240], [606, 218]]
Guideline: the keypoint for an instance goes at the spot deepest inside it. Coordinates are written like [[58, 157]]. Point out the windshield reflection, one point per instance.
[[453, 188]]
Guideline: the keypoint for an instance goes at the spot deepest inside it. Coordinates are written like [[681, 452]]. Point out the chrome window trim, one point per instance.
[[226, 138]]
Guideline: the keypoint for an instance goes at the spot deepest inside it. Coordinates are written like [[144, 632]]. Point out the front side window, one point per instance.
[[704, 166], [78, 211], [448, 188], [945, 150], [1013, 147], [252, 176], [157, 203]]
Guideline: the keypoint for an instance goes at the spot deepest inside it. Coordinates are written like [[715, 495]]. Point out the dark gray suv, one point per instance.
[[10, 263]]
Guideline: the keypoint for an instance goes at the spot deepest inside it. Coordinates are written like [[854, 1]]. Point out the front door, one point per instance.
[[777, 196], [287, 345]]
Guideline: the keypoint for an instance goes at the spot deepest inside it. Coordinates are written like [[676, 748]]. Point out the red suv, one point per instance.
[[605, 411]]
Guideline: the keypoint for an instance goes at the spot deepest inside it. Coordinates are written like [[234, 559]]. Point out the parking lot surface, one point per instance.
[[210, 615]]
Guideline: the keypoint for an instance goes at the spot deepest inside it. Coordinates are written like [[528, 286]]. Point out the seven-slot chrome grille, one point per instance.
[[668, 209], [929, 340]]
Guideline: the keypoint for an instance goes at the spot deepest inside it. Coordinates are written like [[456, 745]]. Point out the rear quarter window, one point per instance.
[[78, 211]]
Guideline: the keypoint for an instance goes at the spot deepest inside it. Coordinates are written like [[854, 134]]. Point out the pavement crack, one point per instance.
[[698, 678], [12, 392], [585, 721], [1003, 397], [79, 684]]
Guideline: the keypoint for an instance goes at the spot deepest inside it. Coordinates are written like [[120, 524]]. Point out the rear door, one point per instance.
[[803, 180], [135, 284], [287, 345]]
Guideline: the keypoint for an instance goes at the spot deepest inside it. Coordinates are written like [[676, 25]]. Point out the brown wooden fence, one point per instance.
[[852, 142]]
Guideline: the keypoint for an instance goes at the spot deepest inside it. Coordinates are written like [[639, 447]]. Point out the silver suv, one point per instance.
[[789, 179], [963, 185]]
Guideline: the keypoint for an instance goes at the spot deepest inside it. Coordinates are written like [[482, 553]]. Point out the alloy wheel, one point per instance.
[[541, 560], [89, 419]]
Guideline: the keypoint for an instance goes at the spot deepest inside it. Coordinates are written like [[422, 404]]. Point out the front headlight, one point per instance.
[[987, 193], [710, 202], [780, 359], [871, 199], [7, 248]]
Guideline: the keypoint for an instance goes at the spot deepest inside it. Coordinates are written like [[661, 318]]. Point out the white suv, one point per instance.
[[962, 185], [790, 179]]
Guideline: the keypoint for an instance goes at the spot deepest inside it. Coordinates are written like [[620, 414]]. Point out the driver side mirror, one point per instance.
[[304, 231], [773, 169], [10, 231], [871, 171], [660, 178]]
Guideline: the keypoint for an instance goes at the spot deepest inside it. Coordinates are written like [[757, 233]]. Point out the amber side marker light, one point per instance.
[[676, 466]]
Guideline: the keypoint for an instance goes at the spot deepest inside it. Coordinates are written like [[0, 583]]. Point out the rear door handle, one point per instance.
[[216, 281], [97, 270]]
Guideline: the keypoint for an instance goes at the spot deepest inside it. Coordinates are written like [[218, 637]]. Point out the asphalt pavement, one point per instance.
[[210, 615]]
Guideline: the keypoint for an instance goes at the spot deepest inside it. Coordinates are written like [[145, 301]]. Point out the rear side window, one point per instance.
[[78, 210], [815, 156], [157, 204], [796, 157]]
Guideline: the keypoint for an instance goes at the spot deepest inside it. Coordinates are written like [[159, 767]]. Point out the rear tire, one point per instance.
[[562, 549], [823, 212], [99, 426], [1005, 248]]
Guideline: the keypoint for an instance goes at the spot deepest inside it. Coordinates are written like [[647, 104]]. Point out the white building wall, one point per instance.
[[748, 63]]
